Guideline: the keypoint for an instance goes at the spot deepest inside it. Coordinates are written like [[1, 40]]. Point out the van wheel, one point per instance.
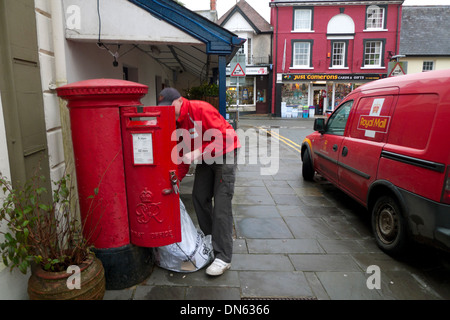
[[389, 226], [307, 167]]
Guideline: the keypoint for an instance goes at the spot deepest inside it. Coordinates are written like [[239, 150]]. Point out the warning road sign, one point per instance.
[[397, 70], [238, 71]]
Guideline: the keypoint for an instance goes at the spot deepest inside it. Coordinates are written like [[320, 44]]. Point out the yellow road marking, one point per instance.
[[283, 139]]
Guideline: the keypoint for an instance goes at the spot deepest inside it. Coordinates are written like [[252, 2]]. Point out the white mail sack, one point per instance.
[[191, 254]]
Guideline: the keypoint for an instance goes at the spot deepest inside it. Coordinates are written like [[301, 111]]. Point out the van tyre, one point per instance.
[[389, 226], [307, 167]]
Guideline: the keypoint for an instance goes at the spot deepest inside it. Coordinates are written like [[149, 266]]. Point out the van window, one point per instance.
[[336, 123], [372, 118], [412, 120]]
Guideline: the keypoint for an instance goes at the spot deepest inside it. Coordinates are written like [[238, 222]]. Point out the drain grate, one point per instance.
[[279, 298]]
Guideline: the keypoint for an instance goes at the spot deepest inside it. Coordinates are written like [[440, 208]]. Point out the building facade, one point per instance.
[[255, 89], [324, 49], [419, 48], [45, 44]]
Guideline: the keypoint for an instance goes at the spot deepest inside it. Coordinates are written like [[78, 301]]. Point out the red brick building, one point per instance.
[[324, 49]]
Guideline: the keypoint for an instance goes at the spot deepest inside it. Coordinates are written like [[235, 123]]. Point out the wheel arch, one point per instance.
[[384, 187], [306, 145]]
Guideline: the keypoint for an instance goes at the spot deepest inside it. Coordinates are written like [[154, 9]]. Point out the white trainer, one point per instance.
[[218, 267]]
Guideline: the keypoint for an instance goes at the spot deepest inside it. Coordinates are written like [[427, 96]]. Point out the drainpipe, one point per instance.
[[222, 85], [59, 41], [275, 93], [397, 33]]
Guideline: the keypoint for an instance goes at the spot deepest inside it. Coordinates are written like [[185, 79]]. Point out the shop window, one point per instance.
[[303, 20], [246, 91], [302, 54], [341, 91], [373, 53], [375, 17], [295, 94]]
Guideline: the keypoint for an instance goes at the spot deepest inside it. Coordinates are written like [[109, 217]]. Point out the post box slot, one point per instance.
[[148, 119], [142, 121]]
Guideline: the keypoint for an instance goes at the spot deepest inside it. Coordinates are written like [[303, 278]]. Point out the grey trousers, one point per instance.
[[215, 181]]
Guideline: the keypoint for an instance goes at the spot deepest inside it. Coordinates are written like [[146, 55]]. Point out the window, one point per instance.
[[373, 53], [302, 20], [246, 91], [338, 120], [338, 55], [301, 54], [428, 66], [375, 17]]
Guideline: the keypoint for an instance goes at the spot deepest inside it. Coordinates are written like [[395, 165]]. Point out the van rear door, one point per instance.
[[361, 148]]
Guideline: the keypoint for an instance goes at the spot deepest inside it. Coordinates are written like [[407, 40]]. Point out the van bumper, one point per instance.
[[428, 220]]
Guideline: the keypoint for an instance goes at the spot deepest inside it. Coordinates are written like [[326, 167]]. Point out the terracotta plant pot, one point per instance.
[[45, 285]]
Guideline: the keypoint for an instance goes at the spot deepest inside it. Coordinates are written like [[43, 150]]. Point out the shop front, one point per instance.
[[324, 92], [249, 92]]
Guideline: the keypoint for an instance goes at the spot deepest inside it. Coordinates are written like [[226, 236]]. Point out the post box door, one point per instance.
[[151, 175]]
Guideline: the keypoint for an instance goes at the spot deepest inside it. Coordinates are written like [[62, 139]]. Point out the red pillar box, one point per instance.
[[97, 143], [151, 175]]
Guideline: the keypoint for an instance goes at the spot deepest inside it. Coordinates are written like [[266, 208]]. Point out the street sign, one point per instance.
[[238, 66], [238, 71], [398, 69]]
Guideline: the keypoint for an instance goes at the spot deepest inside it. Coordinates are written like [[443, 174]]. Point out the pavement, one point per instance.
[[298, 240]]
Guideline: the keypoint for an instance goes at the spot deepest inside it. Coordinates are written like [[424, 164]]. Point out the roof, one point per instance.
[[331, 2], [424, 31], [258, 23], [217, 39], [437, 78]]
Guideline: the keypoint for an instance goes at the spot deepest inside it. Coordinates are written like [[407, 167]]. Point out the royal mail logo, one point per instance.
[[374, 123]]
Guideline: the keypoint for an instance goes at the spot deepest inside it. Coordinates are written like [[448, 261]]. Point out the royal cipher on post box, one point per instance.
[[127, 182]]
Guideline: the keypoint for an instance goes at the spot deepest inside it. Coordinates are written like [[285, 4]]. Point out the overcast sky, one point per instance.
[[262, 6]]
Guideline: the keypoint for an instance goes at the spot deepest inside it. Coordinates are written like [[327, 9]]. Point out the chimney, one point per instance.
[[213, 5]]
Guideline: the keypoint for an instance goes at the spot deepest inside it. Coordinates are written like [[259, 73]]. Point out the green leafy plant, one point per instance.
[[48, 234], [204, 90]]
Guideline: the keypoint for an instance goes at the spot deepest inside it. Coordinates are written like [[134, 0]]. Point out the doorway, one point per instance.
[[319, 95]]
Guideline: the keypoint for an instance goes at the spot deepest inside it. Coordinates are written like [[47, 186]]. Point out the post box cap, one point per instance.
[[102, 87]]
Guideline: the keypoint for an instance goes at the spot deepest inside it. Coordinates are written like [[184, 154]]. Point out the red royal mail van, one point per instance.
[[387, 145]]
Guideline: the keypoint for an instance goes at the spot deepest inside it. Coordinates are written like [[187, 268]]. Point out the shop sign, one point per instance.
[[332, 77]]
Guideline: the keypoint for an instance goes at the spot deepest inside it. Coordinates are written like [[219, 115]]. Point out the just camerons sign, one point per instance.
[[331, 76]]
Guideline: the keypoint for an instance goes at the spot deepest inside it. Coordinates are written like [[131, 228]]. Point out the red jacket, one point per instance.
[[197, 117]]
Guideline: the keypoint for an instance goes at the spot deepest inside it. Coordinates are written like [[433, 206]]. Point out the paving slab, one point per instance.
[[256, 211], [347, 286], [264, 284], [300, 246], [310, 228], [261, 262], [162, 277], [262, 228], [208, 293], [324, 262]]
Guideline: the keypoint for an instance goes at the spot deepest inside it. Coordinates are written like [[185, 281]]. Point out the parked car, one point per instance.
[[387, 145]]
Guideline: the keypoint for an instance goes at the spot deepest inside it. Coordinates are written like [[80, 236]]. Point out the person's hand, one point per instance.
[[192, 156]]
